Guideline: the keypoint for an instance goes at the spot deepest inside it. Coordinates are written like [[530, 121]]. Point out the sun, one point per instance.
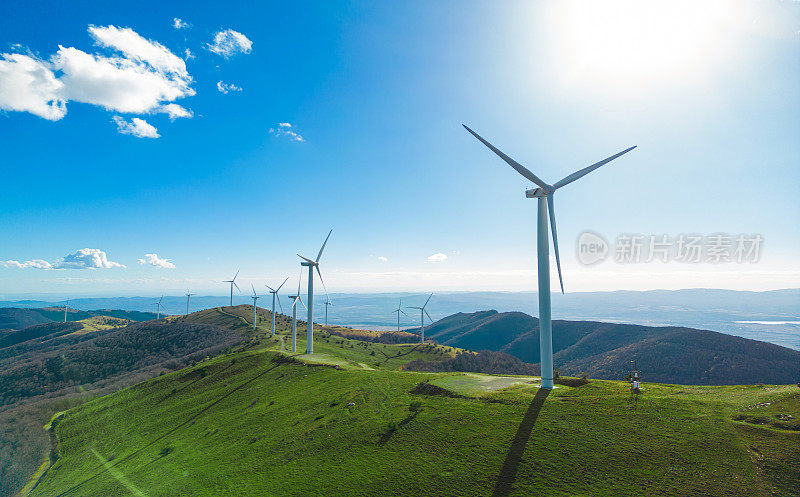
[[628, 44]]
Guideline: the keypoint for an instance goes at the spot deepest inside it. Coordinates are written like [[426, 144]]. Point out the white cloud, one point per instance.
[[227, 87], [383, 259], [137, 127], [179, 23], [438, 257], [137, 48], [174, 111], [86, 258], [28, 85], [36, 263], [153, 260], [286, 129], [188, 54], [229, 42], [80, 259], [142, 77]]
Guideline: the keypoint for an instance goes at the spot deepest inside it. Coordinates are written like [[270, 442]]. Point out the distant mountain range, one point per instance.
[[15, 318], [608, 350], [772, 316]]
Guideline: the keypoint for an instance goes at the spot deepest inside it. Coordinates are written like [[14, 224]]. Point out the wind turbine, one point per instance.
[[187, 301], [255, 300], [544, 193], [66, 306], [233, 284], [327, 303], [422, 313], [295, 299], [274, 293], [311, 265], [158, 304], [398, 311]]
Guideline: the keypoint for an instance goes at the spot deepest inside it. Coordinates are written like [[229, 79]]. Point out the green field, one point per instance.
[[259, 423]]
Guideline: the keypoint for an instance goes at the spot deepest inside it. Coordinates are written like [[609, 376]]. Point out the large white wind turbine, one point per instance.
[[158, 304], [398, 311], [311, 265], [544, 193], [66, 306], [233, 283], [274, 293], [422, 313], [188, 295], [295, 300], [255, 300]]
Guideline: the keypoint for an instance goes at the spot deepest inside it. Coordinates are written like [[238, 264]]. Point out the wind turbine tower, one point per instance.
[[422, 313], [66, 306], [274, 293], [158, 305], [233, 284], [255, 300], [295, 299], [544, 194], [327, 303], [188, 295], [311, 265], [398, 311]]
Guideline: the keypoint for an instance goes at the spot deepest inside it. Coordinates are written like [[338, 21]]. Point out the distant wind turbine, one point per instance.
[[274, 293], [311, 265], [295, 299], [233, 284], [544, 193], [398, 311], [255, 300], [327, 303], [422, 313], [158, 304], [66, 306], [187, 301]]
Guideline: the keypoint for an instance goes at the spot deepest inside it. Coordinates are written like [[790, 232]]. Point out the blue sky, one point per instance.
[[709, 92]]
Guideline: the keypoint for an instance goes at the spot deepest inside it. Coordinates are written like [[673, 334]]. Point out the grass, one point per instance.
[[262, 423]]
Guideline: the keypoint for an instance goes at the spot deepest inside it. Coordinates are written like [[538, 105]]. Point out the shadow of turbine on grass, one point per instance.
[[508, 473]]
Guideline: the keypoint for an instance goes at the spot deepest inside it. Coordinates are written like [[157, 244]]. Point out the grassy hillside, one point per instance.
[[606, 350], [12, 318], [59, 365], [259, 423]]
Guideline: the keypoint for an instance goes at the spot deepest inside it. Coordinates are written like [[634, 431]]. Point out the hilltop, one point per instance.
[[52, 366], [13, 318], [261, 422], [606, 350]]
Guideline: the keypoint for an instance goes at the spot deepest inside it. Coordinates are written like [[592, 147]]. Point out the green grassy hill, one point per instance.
[[261, 422]]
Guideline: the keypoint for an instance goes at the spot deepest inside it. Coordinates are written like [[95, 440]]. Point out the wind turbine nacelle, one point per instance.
[[536, 192]]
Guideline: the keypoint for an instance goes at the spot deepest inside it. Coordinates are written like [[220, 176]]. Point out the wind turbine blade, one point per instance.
[[301, 301], [323, 284], [552, 210], [404, 312], [270, 288], [235, 275], [511, 162], [254, 290], [299, 281], [323, 245], [237, 286], [429, 316], [284, 282], [420, 308], [426, 302], [279, 302], [586, 170], [306, 259]]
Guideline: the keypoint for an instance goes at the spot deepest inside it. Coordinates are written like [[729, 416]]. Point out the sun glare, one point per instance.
[[626, 44]]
